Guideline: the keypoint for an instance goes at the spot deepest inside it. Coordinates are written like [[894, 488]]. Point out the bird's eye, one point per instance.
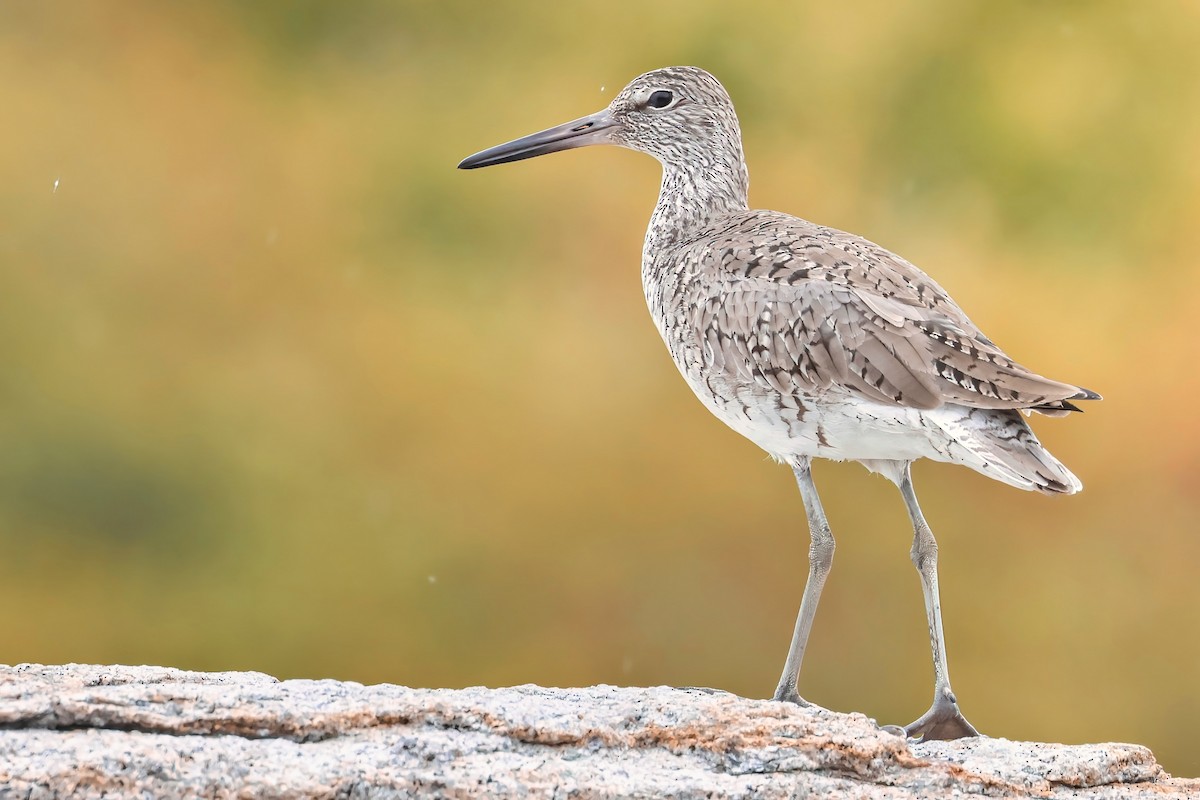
[[660, 99]]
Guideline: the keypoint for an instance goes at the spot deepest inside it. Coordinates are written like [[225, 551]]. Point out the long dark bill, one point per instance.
[[593, 129]]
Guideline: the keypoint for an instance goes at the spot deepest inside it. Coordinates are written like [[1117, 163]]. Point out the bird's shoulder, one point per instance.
[[769, 250]]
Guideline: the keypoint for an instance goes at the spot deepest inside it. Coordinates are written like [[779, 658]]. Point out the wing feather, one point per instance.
[[844, 312]]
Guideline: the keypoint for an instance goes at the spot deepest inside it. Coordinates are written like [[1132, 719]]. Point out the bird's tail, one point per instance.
[[1001, 445]]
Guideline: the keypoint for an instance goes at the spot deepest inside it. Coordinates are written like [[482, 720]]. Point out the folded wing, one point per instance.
[[813, 308]]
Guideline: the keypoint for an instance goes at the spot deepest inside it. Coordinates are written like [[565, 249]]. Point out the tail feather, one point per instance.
[[1001, 445], [1060, 408]]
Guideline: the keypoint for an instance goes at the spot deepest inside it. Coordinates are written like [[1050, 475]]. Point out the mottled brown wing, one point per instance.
[[801, 308]]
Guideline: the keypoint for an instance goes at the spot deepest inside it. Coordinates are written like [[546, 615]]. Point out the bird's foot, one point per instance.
[[943, 720], [788, 694]]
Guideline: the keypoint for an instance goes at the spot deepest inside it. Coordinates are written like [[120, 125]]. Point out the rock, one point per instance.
[[92, 731]]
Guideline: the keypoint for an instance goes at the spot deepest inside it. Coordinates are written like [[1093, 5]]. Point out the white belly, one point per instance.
[[829, 426]]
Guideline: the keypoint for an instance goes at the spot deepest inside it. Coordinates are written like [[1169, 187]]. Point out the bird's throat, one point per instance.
[[692, 200]]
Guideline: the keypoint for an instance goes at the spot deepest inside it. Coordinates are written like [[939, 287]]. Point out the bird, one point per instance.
[[814, 343]]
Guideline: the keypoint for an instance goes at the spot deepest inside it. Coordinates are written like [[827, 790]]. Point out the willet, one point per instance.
[[812, 342]]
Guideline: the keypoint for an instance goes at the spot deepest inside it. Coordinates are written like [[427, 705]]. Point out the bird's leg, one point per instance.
[[943, 720], [820, 560]]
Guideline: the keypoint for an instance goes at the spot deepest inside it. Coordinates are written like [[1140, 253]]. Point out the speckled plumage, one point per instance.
[[813, 342], [776, 321]]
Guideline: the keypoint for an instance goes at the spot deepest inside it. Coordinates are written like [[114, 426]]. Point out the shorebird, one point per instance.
[[812, 342]]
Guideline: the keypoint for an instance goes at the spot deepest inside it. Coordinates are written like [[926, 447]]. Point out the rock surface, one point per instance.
[[91, 731]]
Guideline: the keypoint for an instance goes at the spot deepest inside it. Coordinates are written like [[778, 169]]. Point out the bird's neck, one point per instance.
[[695, 196]]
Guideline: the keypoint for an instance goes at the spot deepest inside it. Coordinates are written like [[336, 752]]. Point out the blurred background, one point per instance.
[[282, 390]]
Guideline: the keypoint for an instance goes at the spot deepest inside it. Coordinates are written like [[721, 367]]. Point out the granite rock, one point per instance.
[[85, 731]]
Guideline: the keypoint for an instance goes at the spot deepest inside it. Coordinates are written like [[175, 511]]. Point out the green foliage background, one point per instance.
[[281, 390]]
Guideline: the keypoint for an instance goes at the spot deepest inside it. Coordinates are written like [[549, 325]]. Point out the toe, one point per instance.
[[789, 696], [940, 723]]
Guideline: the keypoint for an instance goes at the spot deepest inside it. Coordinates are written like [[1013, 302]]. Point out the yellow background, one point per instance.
[[280, 389]]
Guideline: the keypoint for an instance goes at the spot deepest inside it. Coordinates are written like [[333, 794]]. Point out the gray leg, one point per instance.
[[820, 560], [943, 720]]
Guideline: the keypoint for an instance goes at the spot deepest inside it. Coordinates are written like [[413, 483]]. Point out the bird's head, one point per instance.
[[680, 115]]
